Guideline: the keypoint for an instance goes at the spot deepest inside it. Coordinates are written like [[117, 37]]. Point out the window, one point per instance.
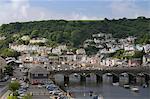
[[36, 75], [45, 75]]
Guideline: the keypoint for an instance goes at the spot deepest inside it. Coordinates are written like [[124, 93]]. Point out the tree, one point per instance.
[[9, 53], [91, 50], [34, 33], [12, 97], [138, 54], [9, 70], [13, 86], [76, 32]]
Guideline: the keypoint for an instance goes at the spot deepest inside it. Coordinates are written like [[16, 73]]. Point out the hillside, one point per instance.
[[75, 32]]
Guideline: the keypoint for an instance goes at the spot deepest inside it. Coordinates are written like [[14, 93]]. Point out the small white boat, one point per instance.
[[75, 74], [101, 97], [98, 97], [116, 84], [126, 86], [135, 89]]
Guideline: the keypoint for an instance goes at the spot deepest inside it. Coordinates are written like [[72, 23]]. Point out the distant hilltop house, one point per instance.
[[38, 40], [2, 66], [59, 50], [102, 35], [80, 51], [30, 48], [25, 38], [2, 37]]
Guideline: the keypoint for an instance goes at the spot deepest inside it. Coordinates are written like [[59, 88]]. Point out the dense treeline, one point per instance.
[[75, 32]]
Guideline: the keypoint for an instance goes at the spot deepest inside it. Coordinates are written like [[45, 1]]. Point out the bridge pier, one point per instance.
[[132, 79], [82, 78], [99, 78], [115, 78], [66, 79], [140, 79], [147, 79], [123, 79]]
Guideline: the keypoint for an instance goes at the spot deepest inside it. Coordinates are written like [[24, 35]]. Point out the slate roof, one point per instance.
[[38, 70]]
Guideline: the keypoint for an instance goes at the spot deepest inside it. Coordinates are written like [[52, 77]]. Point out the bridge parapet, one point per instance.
[[103, 70]]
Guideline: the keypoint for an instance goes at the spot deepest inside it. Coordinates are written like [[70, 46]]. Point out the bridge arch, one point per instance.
[[147, 78]]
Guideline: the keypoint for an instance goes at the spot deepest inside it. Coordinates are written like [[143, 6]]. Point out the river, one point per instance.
[[79, 90]]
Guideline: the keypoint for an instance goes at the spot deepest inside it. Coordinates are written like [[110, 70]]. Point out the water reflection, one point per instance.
[[80, 90]]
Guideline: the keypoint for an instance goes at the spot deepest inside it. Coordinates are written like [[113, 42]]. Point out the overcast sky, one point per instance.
[[29, 10]]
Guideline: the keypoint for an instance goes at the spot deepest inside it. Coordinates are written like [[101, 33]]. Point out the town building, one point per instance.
[[38, 75], [38, 40], [146, 59]]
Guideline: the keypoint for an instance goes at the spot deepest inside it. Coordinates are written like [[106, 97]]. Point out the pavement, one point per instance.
[[6, 94]]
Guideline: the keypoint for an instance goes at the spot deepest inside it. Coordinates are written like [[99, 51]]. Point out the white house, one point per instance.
[[56, 51], [146, 59], [25, 38], [129, 48], [147, 48], [2, 37], [38, 40], [81, 51]]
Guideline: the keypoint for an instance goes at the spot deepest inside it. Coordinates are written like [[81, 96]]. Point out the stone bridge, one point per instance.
[[115, 72]]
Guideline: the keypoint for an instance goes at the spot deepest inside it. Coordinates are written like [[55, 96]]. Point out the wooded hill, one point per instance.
[[76, 32]]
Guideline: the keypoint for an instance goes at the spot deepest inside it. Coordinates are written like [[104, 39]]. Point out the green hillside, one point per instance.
[[75, 32]]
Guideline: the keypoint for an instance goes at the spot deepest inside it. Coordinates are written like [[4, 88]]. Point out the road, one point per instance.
[[5, 95]]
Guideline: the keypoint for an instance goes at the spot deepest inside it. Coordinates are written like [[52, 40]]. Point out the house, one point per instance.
[[2, 67], [38, 40], [2, 37], [25, 38], [62, 47], [57, 51], [147, 48], [67, 57], [30, 48], [146, 59], [80, 51], [38, 75], [139, 47], [107, 62], [135, 62], [129, 48]]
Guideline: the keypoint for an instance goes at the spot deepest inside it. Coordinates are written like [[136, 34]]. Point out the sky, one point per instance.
[[30, 10]]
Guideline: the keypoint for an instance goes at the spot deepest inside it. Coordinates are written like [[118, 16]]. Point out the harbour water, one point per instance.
[[79, 90]]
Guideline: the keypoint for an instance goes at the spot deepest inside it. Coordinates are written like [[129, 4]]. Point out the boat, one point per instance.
[[126, 86], [116, 84], [91, 93], [75, 74], [98, 97], [145, 85], [135, 89]]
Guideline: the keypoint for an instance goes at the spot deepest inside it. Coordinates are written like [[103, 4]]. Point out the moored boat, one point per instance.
[[126, 86], [116, 84], [135, 89]]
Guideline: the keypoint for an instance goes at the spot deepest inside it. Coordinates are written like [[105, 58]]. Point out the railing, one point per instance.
[[104, 68]]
